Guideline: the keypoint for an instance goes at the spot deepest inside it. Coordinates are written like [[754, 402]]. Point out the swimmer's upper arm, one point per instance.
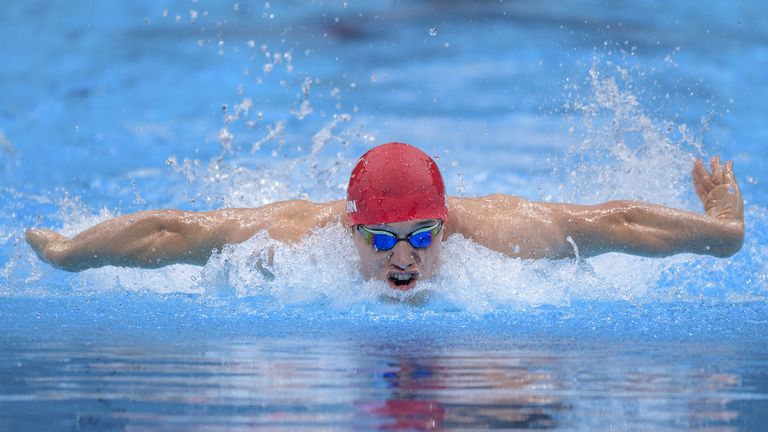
[[508, 224]]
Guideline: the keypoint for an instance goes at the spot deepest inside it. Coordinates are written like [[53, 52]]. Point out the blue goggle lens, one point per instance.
[[421, 240], [383, 241]]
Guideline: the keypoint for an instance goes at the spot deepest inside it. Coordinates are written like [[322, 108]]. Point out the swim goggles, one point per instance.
[[382, 240]]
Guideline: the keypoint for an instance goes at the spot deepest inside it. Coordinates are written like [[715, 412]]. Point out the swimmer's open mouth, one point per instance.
[[402, 280]]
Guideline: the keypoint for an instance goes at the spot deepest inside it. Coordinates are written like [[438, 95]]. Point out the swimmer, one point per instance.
[[398, 214]]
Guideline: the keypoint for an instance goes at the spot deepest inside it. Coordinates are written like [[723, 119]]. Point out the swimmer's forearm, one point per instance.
[[649, 230], [148, 239]]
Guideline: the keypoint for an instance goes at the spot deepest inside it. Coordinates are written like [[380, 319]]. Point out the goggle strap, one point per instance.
[[371, 232]]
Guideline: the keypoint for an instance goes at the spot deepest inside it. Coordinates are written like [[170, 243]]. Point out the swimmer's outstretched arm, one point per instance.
[[544, 230], [157, 238]]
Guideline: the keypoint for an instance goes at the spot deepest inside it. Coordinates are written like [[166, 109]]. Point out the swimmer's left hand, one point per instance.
[[718, 190]]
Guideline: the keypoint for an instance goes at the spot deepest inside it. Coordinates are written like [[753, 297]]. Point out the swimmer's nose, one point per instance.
[[403, 255]]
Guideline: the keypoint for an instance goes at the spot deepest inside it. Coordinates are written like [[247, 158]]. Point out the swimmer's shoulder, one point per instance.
[[303, 217], [310, 215], [328, 212], [286, 221], [301, 211], [467, 214]]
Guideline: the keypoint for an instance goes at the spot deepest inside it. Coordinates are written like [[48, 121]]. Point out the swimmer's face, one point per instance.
[[402, 266]]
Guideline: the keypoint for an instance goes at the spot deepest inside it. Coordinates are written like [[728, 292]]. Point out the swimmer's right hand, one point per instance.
[[49, 246]]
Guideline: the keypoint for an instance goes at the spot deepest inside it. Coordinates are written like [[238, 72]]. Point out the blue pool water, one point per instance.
[[113, 107]]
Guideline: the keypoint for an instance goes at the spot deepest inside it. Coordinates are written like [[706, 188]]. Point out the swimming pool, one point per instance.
[[112, 108]]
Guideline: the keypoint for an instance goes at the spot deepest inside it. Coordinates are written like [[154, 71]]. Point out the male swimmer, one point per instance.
[[398, 214]]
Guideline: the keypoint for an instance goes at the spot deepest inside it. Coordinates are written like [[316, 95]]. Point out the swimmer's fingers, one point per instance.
[[701, 192], [717, 170], [701, 180], [733, 191], [729, 178]]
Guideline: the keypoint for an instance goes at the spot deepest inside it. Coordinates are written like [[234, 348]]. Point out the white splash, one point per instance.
[[624, 152], [273, 131]]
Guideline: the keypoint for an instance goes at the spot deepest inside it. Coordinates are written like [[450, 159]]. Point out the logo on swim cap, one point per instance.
[[395, 182]]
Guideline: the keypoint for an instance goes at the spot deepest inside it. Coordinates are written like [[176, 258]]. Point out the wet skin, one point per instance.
[[403, 262]]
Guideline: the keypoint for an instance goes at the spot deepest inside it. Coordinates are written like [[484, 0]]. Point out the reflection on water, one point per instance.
[[463, 391], [339, 383]]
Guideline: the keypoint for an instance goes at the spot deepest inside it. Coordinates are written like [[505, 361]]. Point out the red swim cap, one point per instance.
[[395, 182]]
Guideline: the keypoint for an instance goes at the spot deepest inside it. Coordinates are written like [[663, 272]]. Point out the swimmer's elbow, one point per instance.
[[587, 231], [731, 242], [559, 242]]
